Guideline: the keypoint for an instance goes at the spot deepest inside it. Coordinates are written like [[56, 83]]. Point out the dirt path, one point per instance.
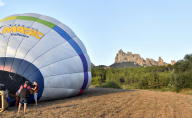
[[107, 102]]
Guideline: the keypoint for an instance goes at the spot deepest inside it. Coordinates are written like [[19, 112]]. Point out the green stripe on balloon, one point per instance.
[[48, 24], [29, 18]]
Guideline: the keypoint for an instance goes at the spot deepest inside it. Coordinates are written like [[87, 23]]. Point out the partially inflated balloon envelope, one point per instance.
[[39, 48]]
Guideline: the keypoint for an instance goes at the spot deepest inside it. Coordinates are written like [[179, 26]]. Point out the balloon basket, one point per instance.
[[3, 100]]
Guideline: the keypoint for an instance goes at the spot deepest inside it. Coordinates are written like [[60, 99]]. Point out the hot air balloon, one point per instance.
[[39, 48]]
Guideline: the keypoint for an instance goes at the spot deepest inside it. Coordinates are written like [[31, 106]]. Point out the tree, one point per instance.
[[152, 81], [96, 80]]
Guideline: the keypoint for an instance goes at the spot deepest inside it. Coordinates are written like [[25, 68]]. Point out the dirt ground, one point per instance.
[[108, 102]]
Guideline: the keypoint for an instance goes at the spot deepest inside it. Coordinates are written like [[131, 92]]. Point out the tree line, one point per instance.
[[175, 76]]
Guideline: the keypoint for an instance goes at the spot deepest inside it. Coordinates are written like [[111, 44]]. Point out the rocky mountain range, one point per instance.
[[136, 59]]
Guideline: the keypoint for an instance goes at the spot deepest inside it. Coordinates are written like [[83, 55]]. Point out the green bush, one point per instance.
[[111, 84], [177, 85], [170, 86], [131, 86], [96, 80], [165, 89]]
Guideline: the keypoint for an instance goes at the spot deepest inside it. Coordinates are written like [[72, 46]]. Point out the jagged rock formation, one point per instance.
[[136, 59], [172, 62]]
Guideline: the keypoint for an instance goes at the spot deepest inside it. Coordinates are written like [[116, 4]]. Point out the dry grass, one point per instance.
[[112, 103]]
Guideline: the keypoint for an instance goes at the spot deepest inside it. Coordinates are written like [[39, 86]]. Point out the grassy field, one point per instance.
[[111, 103]]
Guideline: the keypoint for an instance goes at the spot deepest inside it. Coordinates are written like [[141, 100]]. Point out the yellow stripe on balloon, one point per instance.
[[9, 18]]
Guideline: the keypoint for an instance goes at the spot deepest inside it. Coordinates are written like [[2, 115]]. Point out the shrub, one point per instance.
[[111, 84], [165, 89], [95, 80], [177, 85]]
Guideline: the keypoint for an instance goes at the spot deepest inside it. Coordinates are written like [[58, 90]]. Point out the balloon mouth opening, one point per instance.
[[12, 82]]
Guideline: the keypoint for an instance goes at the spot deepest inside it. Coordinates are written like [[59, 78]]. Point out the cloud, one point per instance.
[[1, 3]]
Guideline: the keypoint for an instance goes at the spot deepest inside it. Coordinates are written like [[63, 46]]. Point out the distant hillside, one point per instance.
[[124, 64], [102, 66]]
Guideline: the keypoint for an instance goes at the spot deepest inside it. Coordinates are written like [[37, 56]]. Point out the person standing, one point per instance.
[[24, 94], [35, 91], [17, 98]]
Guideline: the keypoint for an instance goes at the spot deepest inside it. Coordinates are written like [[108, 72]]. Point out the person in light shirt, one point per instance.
[[35, 91]]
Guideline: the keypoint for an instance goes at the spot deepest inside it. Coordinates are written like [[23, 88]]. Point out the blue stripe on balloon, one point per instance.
[[76, 47], [82, 56], [62, 33], [85, 81], [83, 59], [23, 66]]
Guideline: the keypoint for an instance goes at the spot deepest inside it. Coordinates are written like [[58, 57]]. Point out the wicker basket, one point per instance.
[[3, 100]]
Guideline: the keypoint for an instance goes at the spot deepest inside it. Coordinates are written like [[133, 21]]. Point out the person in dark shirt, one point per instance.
[[35, 91], [24, 94]]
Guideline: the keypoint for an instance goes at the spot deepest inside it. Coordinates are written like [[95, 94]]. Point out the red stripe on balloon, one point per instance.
[[81, 91]]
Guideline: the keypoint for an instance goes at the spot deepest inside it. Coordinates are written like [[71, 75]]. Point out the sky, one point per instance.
[[151, 28]]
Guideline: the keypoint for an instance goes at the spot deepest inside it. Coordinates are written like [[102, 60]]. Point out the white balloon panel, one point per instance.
[[48, 42], [58, 53]]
